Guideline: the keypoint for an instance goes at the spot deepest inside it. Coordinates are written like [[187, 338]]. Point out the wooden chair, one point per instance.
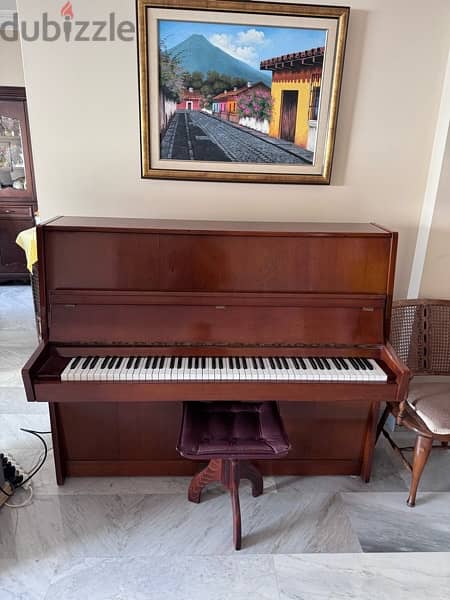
[[420, 334], [229, 435]]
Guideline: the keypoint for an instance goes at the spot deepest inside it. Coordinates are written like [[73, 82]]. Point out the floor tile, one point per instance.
[[384, 523], [25, 579], [180, 578], [363, 577], [10, 430], [386, 476], [14, 401], [167, 524]]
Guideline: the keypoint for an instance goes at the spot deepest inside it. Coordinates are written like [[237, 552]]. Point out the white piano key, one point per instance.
[[73, 375], [379, 374], [311, 372], [91, 370], [68, 369]]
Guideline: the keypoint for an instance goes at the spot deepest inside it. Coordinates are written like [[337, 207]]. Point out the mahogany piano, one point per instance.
[[139, 315]]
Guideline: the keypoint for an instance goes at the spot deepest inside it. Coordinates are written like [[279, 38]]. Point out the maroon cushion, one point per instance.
[[232, 430]]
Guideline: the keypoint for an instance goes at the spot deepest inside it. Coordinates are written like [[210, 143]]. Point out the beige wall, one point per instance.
[[83, 103], [436, 273], [11, 69]]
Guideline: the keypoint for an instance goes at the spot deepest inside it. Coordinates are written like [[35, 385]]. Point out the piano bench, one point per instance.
[[229, 434]]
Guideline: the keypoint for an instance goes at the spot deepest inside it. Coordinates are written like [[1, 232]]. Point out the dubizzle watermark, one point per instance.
[[69, 29]]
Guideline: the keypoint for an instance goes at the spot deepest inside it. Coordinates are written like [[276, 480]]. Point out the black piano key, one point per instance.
[[86, 362], [354, 364], [130, 362], [203, 362], [361, 364], [326, 363], [155, 362], [213, 361], [295, 362], [343, 363], [320, 363], [313, 363], [237, 362], [75, 362], [254, 362], [147, 362], [112, 360], [302, 363], [261, 363], [337, 364], [137, 362], [93, 363], [272, 363], [162, 360], [230, 362], [220, 362], [278, 362], [190, 362], [119, 362], [244, 362], [105, 362], [367, 363], [285, 362]]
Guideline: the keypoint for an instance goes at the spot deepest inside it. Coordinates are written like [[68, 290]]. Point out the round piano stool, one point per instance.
[[229, 435]]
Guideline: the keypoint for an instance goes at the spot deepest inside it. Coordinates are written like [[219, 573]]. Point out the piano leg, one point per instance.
[[369, 441], [58, 450]]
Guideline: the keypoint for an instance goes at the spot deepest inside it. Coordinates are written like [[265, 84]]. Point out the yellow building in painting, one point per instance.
[[296, 80]]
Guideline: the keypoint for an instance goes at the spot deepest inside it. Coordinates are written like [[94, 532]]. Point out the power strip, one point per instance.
[[11, 475], [8, 489]]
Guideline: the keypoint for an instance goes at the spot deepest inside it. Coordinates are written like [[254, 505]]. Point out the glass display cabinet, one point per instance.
[[17, 190]]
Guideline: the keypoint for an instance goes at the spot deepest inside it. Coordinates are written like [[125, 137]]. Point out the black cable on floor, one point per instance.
[[38, 434]]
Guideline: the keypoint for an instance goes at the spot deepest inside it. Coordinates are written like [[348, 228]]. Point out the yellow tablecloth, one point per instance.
[[27, 241]]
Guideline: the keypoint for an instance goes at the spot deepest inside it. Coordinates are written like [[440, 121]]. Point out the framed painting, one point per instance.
[[239, 91]]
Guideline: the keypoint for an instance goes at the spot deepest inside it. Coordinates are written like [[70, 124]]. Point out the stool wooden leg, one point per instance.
[[248, 471], [212, 472], [233, 483], [421, 453]]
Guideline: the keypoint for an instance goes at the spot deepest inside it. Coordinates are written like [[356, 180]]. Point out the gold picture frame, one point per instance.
[[279, 126]]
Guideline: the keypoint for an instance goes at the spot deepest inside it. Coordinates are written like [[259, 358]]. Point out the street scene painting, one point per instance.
[[239, 94]]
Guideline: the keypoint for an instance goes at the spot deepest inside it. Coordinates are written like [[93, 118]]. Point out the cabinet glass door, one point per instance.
[[15, 163]]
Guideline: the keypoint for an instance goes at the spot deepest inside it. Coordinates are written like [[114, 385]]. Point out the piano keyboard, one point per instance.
[[229, 368]]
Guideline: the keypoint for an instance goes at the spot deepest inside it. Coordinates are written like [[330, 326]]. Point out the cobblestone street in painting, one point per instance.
[[194, 135]]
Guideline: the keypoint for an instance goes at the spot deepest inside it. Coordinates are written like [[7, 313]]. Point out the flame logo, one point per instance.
[[67, 10]]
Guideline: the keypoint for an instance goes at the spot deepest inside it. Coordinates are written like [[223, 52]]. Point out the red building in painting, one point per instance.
[[225, 105], [191, 100]]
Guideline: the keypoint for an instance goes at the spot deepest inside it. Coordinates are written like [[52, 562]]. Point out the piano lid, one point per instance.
[[198, 227]]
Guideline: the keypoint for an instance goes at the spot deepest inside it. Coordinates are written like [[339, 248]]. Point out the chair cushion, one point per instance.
[[431, 401], [249, 430]]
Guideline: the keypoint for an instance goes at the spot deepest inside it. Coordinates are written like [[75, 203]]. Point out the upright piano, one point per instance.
[[139, 315]]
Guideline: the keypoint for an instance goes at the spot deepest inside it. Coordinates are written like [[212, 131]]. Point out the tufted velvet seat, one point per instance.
[[228, 434], [250, 430]]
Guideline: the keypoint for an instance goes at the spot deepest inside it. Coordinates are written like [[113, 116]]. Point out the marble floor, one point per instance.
[[312, 538]]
